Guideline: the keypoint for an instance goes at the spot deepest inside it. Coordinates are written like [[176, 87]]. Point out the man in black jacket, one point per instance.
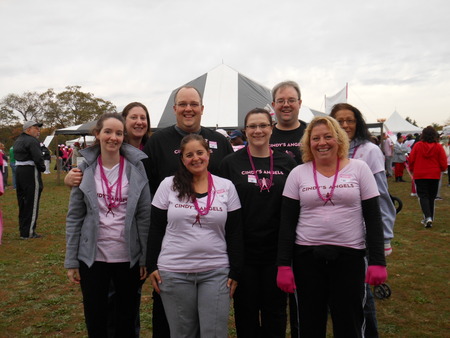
[[29, 165]]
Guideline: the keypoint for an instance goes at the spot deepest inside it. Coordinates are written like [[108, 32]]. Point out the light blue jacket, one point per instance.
[[82, 222]]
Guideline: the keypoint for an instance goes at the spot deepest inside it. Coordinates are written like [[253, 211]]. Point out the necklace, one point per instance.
[[209, 201], [329, 194], [264, 183], [110, 201]]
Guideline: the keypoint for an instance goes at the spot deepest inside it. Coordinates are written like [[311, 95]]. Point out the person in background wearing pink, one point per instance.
[[330, 216], [426, 161]]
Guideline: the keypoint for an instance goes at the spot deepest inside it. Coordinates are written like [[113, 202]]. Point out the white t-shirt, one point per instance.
[[111, 243], [339, 221], [189, 246], [372, 155]]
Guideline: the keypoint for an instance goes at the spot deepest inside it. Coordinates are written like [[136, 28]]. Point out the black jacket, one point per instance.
[[28, 148]]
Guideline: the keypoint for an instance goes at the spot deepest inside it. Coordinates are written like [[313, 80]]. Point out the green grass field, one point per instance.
[[36, 299]]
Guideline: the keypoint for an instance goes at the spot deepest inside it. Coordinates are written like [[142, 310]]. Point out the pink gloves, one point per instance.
[[375, 275], [285, 279]]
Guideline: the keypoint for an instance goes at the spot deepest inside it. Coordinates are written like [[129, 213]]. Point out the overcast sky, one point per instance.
[[394, 54]]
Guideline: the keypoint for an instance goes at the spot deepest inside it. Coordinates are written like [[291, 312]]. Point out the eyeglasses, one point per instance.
[[349, 122], [185, 104], [289, 101], [255, 126]]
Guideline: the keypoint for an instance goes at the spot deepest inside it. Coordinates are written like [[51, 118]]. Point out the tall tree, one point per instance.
[[29, 105], [7, 116], [72, 107]]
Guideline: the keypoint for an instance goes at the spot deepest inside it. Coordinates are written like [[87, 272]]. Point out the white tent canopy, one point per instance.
[[227, 96], [397, 124], [89, 139]]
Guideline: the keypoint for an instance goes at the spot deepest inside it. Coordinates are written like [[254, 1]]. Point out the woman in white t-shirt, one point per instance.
[[195, 244], [330, 217]]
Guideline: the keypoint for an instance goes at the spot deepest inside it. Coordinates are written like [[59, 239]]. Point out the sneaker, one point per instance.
[[428, 222], [35, 235], [438, 199], [413, 194], [23, 237]]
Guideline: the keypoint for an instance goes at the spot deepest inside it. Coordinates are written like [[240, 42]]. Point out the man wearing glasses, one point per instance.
[[29, 166], [162, 150], [286, 136], [289, 129]]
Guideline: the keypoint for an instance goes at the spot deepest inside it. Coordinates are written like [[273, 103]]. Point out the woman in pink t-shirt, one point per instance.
[[329, 218], [107, 227]]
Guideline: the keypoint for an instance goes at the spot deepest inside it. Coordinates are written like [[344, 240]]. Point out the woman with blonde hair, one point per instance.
[[330, 216]]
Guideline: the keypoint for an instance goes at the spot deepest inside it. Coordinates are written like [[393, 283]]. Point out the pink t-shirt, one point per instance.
[[111, 243], [187, 245], [339, 221]]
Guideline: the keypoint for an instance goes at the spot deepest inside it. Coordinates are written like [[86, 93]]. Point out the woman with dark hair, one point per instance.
[[195, 244], [351, 120], [107, 227], [426, 161], [137, 124], [330, 217], [259, 174]]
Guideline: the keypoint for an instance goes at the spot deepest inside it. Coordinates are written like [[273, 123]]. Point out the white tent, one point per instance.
[[446, 131], [89, 139], [227, 96], [397, 124]]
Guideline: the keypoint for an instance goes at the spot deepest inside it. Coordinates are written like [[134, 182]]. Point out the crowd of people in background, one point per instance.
[[277, 215]]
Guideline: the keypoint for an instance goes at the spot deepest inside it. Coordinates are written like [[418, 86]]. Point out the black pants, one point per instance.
[[427, 191], [259, 305], [113, 310], [159, 320], [334, 282], [28, 189], [95, 282]]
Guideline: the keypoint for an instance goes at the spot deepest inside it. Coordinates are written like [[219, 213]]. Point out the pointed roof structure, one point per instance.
[[397, 124], [227, 96]]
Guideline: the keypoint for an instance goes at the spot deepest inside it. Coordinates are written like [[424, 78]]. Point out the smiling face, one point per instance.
[[258, 130], [188, 110], [136, 123], [195, 157], [111, 136], [287, 106], [347, 121], [323, 144]]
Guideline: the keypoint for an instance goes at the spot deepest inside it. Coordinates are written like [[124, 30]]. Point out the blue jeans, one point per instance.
[[196, 304]]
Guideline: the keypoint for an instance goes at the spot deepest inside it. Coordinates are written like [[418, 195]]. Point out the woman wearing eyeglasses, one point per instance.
[[351, 120], [259, 175], [330, 216]]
